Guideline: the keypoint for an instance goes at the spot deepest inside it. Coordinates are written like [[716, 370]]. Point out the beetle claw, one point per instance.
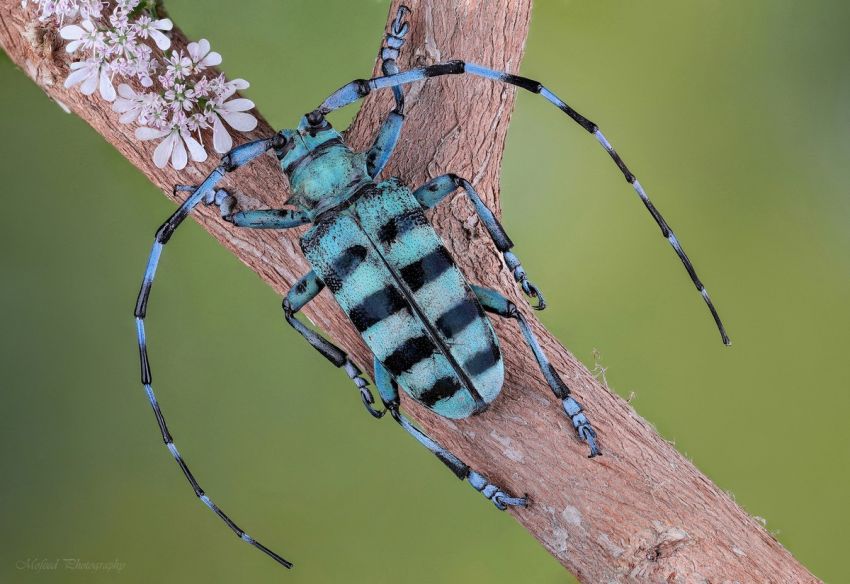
[[368, 400], [587, 434], [399, 25], [503, 501], [531, 291]]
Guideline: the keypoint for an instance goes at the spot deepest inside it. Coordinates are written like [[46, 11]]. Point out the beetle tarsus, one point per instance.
[[224, 201], [588, 434], [582, 425], [532, 292], [498, 497], [503, 501], [368, 401]]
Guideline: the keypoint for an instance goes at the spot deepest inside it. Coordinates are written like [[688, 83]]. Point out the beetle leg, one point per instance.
[[305, 290], [380, 152], [436, 190], [388, 389], [269, 218], [255, 219], [494, 302]]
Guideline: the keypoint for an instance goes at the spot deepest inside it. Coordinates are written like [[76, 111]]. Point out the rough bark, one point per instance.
[[640, 513]]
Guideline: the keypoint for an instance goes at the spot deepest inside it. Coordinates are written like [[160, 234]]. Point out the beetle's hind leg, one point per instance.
[[305, 290], [388, 389], [494, 302]]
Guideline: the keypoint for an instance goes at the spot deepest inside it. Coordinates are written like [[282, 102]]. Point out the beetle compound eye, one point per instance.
[[282, 145]]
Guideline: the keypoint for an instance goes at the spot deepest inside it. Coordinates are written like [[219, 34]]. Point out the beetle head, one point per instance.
[[312, 133], [322, 170]]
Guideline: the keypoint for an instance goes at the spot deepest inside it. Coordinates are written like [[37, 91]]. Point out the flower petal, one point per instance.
[[162, 41], [178, 156], [222, 142], [127, 92], [162, 24], [89, 84], [240, 121], [193, 50], [196, 150], [237, 105], [77, 74], [129, 116], [145, 133], [163, 151], [72, 32], [107, 91], [122, 105], [212, 59], [225, 92]]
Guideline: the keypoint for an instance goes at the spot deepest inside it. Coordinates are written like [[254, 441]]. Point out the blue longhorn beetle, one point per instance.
[[373, 248]]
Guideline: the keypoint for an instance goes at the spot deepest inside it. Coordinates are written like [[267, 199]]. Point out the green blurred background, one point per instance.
[[734, 115]]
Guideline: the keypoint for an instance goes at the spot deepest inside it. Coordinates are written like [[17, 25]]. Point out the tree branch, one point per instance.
[[641, 512]]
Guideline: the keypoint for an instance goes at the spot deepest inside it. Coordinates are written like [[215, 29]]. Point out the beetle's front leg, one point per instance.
[[436, 190], [387, 138], [255, 219]]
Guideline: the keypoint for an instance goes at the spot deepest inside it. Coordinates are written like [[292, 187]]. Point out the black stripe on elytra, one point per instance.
[[333, 282], [457, 318], [409, 353], [314, 237], [426, 269], [483, 360], [400, 224], [441, 389], [388, 231], [376, 307], [348, 260]]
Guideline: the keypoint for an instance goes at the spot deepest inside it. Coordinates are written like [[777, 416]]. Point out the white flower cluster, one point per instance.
[[60, 10], [123, 40]]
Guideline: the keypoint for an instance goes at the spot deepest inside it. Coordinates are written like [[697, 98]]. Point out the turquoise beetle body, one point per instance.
[[374, 249]]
